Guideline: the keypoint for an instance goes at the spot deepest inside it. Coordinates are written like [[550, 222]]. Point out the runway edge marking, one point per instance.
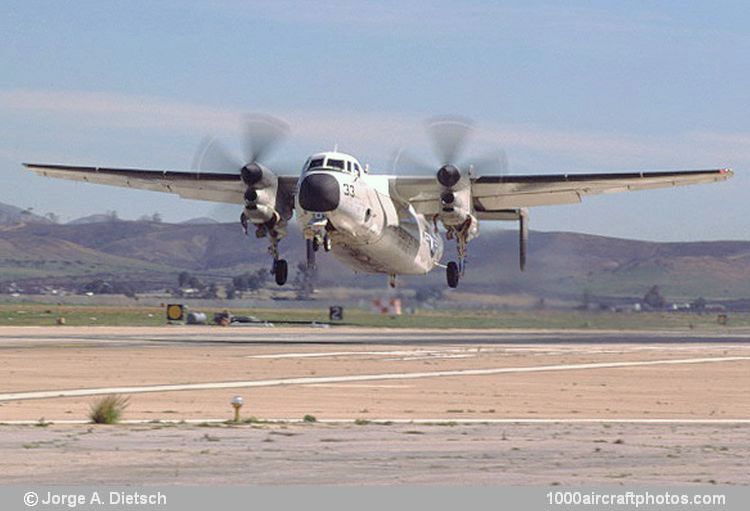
[[427, 422]]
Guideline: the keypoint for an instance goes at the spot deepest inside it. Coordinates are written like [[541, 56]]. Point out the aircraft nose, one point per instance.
[[319, 193]]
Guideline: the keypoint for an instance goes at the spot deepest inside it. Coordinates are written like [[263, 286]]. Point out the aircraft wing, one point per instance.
[[493, 196], [206, 186]]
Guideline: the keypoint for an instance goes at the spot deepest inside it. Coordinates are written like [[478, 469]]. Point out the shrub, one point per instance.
[[108, 409]]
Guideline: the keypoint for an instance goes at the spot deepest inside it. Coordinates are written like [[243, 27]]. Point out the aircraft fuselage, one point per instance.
[[368, 229]]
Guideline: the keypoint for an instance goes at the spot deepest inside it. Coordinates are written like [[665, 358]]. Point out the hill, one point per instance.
[[560, 264], [12, 215]]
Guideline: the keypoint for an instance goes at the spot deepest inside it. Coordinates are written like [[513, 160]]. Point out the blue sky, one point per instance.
[[562, 87]]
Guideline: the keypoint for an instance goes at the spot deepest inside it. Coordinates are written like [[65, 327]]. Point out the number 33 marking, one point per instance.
[[348, 190]]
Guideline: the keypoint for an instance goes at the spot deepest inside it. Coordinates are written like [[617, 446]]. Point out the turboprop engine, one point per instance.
[[455, 199], [261, 194]]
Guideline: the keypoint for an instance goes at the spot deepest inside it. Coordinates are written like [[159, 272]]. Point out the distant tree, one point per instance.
[[212, 291], [112, 216], [156, 217], [231, 292], [304, 281], [654, 298], [195, 283], [699, 304], [183, 278], [250, 281], [52, 217], [124, 288]]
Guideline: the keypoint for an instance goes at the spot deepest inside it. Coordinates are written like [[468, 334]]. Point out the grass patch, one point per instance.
[[108, 409], [45, 314], [309, 418]]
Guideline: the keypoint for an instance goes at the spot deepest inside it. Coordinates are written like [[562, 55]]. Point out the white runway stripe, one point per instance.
[[381, 421], [16, 396]]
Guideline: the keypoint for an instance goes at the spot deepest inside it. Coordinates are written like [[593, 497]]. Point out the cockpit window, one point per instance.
[[317, 162], [356, 167], [336, 164]]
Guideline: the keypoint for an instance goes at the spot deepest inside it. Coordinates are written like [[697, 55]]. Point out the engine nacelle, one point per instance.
[[261, 194], [455, 199]]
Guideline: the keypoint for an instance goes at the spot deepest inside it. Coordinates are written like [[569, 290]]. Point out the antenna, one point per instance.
[[335, 147]]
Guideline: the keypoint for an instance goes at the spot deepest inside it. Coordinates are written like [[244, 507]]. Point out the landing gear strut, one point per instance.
[[462, 234], [321, 241]]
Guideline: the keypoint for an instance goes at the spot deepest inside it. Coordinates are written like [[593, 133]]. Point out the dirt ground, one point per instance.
[[545, 454]]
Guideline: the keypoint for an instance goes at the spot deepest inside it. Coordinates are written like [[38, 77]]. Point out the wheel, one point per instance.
[[452, 274], [280, 271], [315, 244], [327, 245]]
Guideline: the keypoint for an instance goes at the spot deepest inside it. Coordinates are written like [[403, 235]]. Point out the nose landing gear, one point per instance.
[[321, 241]]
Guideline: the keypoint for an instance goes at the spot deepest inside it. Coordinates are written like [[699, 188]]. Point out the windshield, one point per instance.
[[317, 162], [336, 164], [332, 163]]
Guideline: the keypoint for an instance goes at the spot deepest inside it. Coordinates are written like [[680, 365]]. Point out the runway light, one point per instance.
[[237, 403]]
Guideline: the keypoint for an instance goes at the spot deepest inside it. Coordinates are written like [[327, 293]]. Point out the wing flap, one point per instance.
[[492, 193]]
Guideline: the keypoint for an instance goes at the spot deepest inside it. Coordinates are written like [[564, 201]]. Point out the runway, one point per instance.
[[18, 396], [189, 373], [391, 406]]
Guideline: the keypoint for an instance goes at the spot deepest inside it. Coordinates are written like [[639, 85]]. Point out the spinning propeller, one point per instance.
[[449, 137]]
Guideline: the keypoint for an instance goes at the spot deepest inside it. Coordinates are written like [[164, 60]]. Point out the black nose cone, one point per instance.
[[319, 193]]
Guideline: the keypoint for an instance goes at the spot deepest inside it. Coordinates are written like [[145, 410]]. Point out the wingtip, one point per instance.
[[727, 172]]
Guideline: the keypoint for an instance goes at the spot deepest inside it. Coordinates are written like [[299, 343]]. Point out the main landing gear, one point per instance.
[[452, 274], [455, 270], [280, 269]]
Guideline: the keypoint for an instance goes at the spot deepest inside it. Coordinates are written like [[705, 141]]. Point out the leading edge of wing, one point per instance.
[[574, 178], [135, 173]]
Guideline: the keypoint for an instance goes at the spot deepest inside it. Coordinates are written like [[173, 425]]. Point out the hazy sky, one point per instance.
[[562, 87]]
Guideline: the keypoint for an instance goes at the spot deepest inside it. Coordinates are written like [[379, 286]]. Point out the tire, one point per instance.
[[327, 244], [315, 244], [280, 271], [452, 274]]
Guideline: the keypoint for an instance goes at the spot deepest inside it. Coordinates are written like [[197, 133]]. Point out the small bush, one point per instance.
[[108, 409], [309, 418]]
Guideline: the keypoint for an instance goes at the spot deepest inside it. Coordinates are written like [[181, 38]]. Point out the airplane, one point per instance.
[[374, 223]]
